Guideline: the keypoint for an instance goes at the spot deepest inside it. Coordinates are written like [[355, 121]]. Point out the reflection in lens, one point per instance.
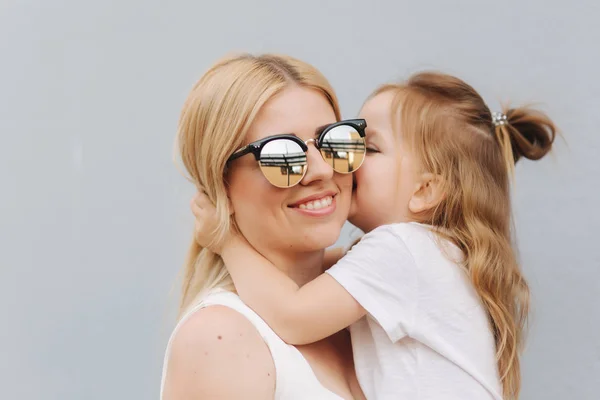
[[343, 148], [283, 162]]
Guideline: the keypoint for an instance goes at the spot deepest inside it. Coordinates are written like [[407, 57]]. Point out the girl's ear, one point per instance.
[[428, 193]]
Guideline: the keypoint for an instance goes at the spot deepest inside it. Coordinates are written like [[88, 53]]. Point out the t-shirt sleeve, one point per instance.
[[380, 273]]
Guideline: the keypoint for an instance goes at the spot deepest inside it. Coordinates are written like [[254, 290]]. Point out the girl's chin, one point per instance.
[[352, 218], [356, 220], [353, 211]]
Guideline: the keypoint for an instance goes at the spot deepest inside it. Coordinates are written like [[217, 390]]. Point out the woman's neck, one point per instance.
[[300, 267]]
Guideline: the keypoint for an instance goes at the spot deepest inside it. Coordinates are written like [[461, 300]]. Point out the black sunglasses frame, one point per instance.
[[256, 147]]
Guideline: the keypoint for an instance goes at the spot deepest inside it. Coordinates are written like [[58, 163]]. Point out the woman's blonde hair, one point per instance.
[[448, 127], [214, 121]]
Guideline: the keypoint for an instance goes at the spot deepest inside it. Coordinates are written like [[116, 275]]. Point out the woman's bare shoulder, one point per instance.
[[217, 352]]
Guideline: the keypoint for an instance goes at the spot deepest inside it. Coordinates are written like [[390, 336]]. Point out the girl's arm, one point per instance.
[[333, 255], [298, 315]]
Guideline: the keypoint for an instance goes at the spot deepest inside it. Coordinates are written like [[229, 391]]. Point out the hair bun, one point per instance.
[[531, 132]]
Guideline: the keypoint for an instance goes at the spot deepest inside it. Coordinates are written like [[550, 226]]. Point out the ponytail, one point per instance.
[[523, 132]]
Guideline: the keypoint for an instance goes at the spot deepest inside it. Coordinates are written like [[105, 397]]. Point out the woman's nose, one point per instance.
[[317, 168]]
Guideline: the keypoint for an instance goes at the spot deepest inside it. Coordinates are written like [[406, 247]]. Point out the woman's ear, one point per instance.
[[428, 193], [229, 203]]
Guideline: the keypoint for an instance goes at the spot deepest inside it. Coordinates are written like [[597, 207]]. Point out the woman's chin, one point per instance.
[[320, 241]]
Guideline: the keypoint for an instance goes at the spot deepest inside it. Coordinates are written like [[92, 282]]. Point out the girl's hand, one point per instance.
[[207, 223]]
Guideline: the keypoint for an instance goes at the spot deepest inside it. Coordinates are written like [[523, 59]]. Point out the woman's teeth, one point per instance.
[[317, 204]]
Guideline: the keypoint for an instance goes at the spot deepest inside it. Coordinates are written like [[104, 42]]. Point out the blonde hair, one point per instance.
[[449, 128], [214, 121]]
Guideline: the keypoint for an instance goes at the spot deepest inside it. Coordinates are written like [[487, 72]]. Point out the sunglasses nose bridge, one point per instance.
[[315, 143], [311, 140]]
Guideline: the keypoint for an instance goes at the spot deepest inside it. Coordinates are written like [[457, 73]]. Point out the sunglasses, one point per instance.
[[282, 158]]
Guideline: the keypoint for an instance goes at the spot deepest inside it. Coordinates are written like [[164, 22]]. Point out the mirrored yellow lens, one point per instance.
[[283, 162], [343, 148]]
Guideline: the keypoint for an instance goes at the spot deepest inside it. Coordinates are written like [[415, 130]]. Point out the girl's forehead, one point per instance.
[[377, 111], [380, 103]]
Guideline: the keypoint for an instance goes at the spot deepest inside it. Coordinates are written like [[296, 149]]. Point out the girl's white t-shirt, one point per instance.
[[426, 335]]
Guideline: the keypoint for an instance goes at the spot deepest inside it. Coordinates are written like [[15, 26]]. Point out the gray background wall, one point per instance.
[[94, 219]]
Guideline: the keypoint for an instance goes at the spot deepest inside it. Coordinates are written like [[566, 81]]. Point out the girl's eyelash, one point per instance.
[[372, 150]]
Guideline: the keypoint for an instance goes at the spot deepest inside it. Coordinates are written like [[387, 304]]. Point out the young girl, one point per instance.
[[433, 294]]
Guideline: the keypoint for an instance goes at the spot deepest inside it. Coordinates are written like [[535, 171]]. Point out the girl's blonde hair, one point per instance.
[[214, 121], [449, 128]]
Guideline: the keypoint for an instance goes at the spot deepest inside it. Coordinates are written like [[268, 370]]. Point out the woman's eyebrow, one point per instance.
[[320, 129]]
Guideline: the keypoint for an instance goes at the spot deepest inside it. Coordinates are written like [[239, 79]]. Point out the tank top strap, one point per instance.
[[280, 351]]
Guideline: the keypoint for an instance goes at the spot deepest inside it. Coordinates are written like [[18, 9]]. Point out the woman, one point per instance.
[[290, 214]]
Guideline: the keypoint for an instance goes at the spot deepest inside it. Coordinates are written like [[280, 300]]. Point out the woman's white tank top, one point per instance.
[[295, 379]]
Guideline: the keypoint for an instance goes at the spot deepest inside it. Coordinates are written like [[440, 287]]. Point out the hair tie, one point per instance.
[[499, 118]]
